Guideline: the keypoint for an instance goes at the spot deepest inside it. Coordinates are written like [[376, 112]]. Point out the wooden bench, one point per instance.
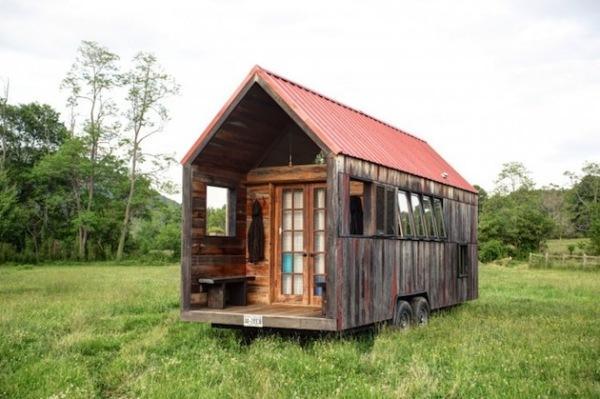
[[229, 290]]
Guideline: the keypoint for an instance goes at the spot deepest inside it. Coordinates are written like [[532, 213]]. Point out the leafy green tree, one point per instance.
[[30, 132], [584, 203], [554, 202], [514, 216], [160, 229], [512, 177], [148, 86], [216, 220], [482, 198], [584, 195], [89, 83]]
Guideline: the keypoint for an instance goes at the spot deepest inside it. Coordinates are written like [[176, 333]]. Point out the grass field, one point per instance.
[[109, 331], [562, 246]]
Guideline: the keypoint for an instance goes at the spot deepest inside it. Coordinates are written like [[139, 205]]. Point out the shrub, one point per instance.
[[492, 250]]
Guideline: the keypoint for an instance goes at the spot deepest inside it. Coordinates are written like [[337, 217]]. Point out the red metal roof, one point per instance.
[[351, 132]]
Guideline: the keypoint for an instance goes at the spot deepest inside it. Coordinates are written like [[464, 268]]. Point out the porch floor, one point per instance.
[[273, 315]]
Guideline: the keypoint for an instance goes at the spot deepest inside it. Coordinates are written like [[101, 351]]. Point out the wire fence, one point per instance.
[[547, 260]]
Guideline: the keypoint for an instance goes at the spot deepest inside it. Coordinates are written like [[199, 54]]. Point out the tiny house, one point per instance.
[[300, 212]]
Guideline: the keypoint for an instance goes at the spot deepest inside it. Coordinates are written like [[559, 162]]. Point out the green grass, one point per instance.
[[113, 331], [562, 246]]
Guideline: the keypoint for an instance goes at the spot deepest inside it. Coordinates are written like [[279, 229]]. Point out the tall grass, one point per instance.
[[110, 331]]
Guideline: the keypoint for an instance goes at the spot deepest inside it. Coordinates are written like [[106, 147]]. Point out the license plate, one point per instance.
[[253, 320]]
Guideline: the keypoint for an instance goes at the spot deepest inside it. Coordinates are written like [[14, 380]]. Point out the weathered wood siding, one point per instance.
[[259, 290], [215, 256], [374, 271]]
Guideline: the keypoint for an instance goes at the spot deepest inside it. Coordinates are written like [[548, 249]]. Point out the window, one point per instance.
[[463, 260], [430, 227], [405, 228], [319, 240], [292, 242], [219, 208], [385, 208], [417, 212], [390, 211], [380, 209], [358, 194], [439, 217]]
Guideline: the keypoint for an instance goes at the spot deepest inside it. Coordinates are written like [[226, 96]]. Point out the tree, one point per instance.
[[512, 177], [481, 199], [584, 202], [90, 81], [30, 132], [3, 125], [553, 201], [514, 216], [148, 86], [584, 195]]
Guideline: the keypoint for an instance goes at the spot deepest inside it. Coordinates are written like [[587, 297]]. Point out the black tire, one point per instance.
[[403, 315], [421, 311]]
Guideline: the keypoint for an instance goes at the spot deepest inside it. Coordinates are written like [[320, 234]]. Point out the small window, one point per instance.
[[390, 211], [430, 227], [357, 207], [439, 217], [218, 211], [404, 217], [417, 211], [463, 260], [380, 210]]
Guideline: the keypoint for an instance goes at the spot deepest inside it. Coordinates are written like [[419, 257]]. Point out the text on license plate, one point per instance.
[[253, 320]]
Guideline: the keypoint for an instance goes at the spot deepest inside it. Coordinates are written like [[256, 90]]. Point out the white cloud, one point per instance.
[[483, 82]]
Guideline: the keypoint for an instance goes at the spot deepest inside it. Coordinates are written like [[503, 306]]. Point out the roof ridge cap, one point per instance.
[[258, 68]]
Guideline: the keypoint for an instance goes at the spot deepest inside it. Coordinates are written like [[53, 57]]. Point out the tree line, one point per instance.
[[88, 191], [517, 218]]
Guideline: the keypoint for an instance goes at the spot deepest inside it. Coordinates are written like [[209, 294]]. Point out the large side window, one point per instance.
[[359, 192], [405, 222], [220, 208], [385, 210], [439, 217], [430, 227], [417, 211]]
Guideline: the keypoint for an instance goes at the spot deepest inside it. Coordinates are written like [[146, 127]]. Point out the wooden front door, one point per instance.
[[300, 243]]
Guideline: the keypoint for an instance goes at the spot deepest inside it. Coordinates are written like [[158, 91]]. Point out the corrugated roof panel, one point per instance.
[[362, 136]]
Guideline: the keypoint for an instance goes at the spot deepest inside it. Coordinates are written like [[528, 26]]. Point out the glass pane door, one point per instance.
[[292, 242], [318, 241]]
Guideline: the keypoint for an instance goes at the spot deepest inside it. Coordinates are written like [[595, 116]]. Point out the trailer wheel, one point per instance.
[[420, 308], [403, 315]]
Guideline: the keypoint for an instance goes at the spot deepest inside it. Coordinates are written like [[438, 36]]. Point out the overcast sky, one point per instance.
[[484, 82]]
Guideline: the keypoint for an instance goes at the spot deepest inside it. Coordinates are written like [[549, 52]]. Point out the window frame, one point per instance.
[[412, 209], [439, 200], [411, 222], [462, 257], [432, 229], [370, 228], [366, 208], [230, 212]]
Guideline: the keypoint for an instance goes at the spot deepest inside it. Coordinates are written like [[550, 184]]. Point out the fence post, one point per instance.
[[584, 260], [530, 258], [546, 259], [563, 259]]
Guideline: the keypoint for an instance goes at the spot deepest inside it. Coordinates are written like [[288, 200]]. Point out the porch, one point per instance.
[[271, 315]]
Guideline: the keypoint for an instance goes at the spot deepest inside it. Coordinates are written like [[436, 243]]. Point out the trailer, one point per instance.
[[302, 213]]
